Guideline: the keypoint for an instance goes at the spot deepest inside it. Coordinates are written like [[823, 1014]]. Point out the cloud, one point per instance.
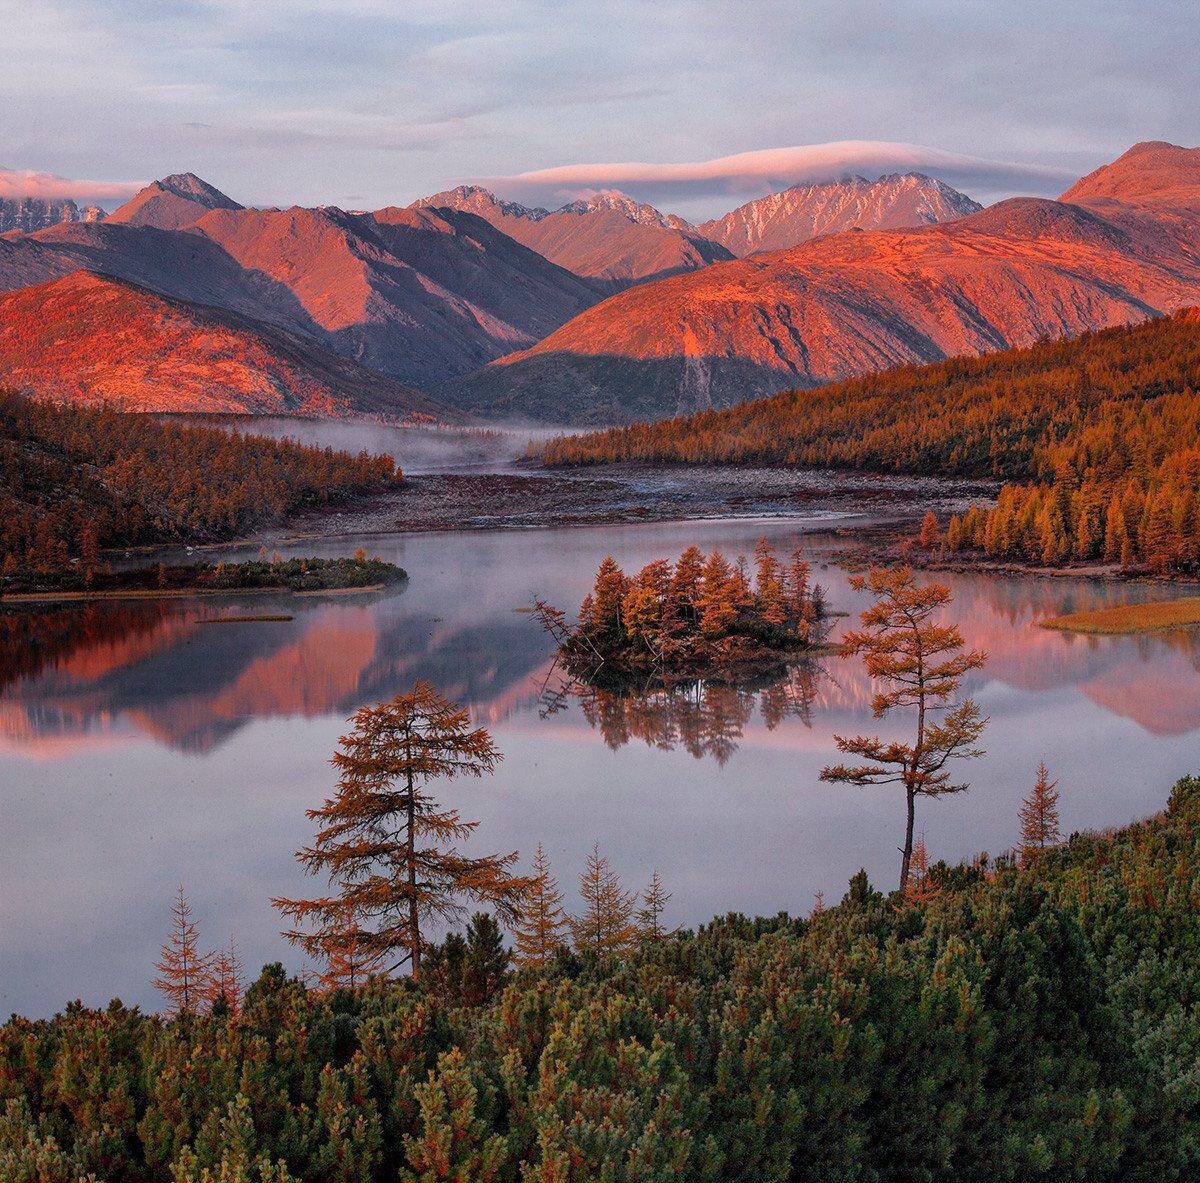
[[750, 173], [16, 183]]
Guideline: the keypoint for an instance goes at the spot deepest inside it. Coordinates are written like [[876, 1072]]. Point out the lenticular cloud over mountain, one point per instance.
[[773, 168], [16, 183]]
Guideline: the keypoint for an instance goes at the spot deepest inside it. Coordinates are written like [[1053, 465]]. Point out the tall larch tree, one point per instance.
[[387, 846], [184, 973], [606, 924], [541, 927], [1039, 817], [919, 665], [227, 980], [929, 531], [654, 902]]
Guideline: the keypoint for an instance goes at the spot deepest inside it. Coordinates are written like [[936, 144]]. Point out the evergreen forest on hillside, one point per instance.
[[75, 479], [1096, 440]]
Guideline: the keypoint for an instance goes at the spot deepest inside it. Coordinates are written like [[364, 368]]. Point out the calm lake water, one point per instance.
[[141, 748]]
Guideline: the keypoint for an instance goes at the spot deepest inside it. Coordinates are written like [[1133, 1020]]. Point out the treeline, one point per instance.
[[994, 1023], [698, 611], [1097, 439], [73, 479]]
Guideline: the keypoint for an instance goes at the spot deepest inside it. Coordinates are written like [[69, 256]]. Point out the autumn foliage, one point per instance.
[[73, 479], [700, 611], [386, 846], [918, 664], [1097, 439]]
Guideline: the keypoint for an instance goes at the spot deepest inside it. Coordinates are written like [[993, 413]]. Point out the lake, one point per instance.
[[141, 748]]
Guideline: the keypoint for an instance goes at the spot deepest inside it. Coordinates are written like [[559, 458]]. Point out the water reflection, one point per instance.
[[156, 669], [703, 718], [140, 745]]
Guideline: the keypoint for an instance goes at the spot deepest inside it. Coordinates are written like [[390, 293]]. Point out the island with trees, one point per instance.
[[702, 614]]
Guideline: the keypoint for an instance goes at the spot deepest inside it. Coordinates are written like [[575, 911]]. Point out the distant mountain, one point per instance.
[[782, 220], [30, 214], [1125, 247], [420, 295], [608, 238], [173, 203], [86, 338]]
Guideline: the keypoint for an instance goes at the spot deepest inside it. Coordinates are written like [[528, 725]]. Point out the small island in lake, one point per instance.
[[358, 573], [700, 614]]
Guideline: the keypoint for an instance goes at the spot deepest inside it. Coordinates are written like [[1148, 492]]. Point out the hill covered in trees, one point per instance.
[[1096, 437], [999, 1023], [78, 478]]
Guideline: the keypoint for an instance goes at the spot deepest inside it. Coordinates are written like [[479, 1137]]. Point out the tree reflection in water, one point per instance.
[[704, 718]]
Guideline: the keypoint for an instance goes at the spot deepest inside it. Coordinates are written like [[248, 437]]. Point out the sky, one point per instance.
[[695, 105]]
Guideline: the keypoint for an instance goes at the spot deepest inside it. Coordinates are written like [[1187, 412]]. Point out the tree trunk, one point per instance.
[[908, 836], [414, 916]]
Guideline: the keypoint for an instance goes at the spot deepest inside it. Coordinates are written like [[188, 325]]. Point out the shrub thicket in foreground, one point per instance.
[[1036, 1023]]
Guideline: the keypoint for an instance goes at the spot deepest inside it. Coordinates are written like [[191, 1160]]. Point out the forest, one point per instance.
[[1096, 440], [1000, 1022], [699, 612], [76, 479]]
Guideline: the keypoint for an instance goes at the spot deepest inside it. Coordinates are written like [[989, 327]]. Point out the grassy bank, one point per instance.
[[1130, 618], [311, 575]]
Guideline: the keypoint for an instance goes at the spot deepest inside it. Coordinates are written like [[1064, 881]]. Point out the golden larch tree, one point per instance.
[[654, 902], [184, 973], [226, 981], [919, 664], [388, 847], [606, 924], [541, 926], [1039, 817], [929, 531], [921, 887]]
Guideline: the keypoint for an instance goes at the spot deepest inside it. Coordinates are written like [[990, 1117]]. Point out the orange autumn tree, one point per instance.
[[919, 664], [541, 927], [606, 924], [226, 984], [387, 846], [184, 973], [1039, 817]]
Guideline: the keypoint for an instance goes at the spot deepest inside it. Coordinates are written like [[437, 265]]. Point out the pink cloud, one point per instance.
[[773, 168], [16, 183]]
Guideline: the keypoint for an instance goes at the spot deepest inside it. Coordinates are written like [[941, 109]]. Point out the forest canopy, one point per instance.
[[1003, 1022], [1097, 439], [75, 478]]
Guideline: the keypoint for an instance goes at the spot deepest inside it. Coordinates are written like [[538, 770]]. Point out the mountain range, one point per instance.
[[30, 214], [605, 310], [1120, 246]]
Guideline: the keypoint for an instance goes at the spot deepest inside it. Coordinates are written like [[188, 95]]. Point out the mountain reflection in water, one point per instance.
[[141, 746]]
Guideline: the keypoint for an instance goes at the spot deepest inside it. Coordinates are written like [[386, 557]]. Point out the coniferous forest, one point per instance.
[[1096, 440], [73, 479]]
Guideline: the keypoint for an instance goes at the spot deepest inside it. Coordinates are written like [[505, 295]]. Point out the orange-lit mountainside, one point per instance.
[[608, 238], [1121, 245], [87, 338], [418, 295], [616, 241], [1097, 436]]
